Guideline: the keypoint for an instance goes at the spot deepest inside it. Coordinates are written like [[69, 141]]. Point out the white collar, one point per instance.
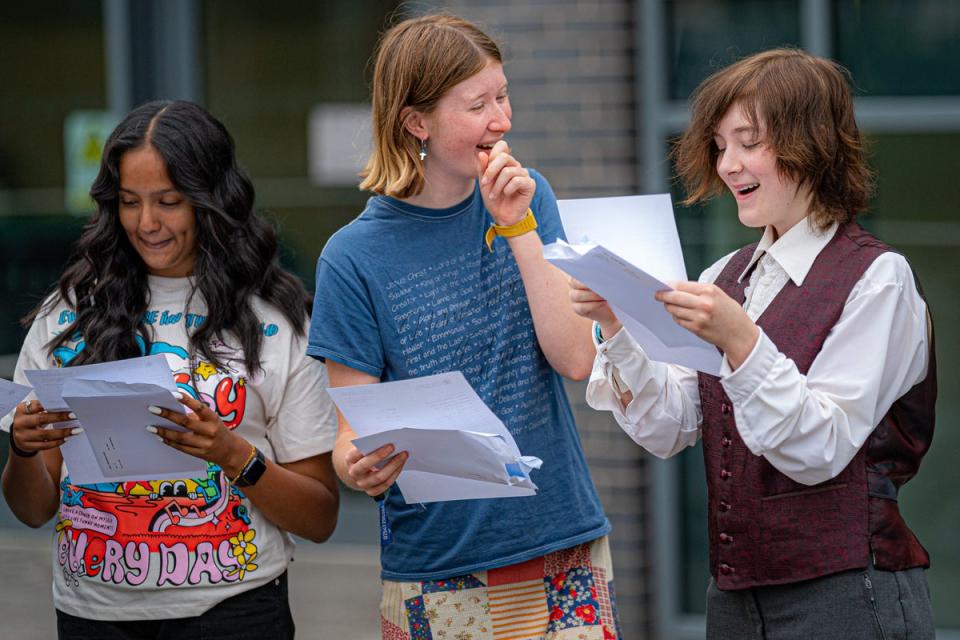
[[795, 251]]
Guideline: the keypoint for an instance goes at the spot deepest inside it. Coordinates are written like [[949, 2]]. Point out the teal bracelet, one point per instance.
[[596, 332]]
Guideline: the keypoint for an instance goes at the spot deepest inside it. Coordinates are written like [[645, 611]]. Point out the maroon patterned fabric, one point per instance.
[[766, 529]]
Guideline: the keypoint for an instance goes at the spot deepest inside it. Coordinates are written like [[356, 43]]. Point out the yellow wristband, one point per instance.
[[527, 223]]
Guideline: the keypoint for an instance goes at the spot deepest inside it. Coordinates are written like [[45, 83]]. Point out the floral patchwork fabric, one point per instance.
[[566, 595]]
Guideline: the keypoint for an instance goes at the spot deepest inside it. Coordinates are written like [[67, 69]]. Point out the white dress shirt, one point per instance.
[[809, 427]]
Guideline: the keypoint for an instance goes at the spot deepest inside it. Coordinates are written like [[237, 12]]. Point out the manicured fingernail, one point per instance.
[[72, 415], [74, 432], [178, 395], [152, 429], [154, 409]]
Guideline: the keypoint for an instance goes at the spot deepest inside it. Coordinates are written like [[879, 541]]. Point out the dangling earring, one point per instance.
[[423, 149]]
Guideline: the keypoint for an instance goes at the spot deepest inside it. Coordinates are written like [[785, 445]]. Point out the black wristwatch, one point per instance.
[[252, 472]]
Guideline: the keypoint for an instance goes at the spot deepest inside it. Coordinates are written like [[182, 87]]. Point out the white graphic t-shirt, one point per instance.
[[174, 548]]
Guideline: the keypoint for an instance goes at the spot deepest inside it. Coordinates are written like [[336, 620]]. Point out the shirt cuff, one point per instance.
[[741, 384]]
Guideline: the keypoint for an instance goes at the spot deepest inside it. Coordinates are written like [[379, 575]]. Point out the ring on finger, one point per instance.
[[27, 408]]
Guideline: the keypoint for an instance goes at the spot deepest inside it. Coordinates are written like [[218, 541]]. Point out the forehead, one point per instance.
[[490, 79], [736, 121]]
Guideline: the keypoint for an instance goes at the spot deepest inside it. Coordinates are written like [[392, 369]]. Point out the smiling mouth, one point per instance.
[[748, 189], [485, 147], [155, 245]]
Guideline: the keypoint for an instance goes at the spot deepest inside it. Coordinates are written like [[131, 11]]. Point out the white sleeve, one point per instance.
[[664, 415], [305, 423], [810, 427]]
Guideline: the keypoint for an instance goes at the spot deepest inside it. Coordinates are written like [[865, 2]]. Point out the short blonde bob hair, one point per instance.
[[806, 106], [417, 62]]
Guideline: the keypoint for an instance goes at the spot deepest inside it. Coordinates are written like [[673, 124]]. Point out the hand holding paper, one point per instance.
[[32, 428], [112, 460], [648, 255], [707, 311], [484, 457], [589, 304], [458, 449], [375, 471], [116, 416]]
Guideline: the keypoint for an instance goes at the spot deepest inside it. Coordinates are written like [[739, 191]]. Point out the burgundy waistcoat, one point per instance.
[[766, 529]]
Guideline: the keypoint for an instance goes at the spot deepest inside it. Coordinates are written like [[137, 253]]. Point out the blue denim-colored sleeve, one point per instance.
[[545, 209], [343, 325]]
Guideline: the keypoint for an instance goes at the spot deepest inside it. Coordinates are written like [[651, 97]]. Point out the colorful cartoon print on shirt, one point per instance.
[[167, 532]]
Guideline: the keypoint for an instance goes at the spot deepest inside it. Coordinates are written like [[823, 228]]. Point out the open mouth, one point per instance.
[[748, 189], [485, 147]]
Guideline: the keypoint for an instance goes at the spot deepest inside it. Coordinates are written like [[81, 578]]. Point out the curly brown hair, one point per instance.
[[806, 106]]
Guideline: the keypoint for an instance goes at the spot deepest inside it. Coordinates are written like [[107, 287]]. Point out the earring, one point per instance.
[[423, 149]]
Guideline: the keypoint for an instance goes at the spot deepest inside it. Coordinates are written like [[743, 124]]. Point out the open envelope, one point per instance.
[[439, 402], [114, 417], [480, 465], [78, 454], [630, 291]]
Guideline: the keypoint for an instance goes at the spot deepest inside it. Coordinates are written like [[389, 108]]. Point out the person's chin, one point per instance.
[[751, 218]]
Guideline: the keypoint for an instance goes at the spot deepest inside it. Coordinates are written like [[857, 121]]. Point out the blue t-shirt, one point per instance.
[[404, 291]]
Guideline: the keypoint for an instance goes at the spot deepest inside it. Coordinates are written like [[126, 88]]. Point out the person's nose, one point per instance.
[[149, 218], [728, 163], [501, 120]]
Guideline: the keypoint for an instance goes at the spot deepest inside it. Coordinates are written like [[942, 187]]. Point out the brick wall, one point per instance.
[[572, 80]]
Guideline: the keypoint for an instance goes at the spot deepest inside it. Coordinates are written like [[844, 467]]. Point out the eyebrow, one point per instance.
[[744, 129], [483, 93], [154, 193]]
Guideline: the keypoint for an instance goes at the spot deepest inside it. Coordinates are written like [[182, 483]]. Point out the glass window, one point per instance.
[[53, 65], [916, 209], [900, 47], [267, 66], [705, 35]]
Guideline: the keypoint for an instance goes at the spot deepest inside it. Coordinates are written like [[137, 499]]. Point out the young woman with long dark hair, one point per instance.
[[176, 261]]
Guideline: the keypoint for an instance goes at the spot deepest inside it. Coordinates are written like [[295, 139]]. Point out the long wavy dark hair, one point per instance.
[[105, 280]]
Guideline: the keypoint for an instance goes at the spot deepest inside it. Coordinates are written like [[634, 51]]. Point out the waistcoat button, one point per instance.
[[725, 409], [726, 569], [724, 506], [725, 538], [725, 441], [725, 474]]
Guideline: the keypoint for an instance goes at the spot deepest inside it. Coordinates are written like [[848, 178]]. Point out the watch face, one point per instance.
[[252, 472]]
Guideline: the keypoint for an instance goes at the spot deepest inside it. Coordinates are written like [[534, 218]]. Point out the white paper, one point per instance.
[[639, 229], [11, 394], [114, 417], [47, 384], [630, 292], [445, 401], [483, 460]]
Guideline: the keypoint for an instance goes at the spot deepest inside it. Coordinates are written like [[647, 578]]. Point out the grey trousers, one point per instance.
[[863, 604]]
